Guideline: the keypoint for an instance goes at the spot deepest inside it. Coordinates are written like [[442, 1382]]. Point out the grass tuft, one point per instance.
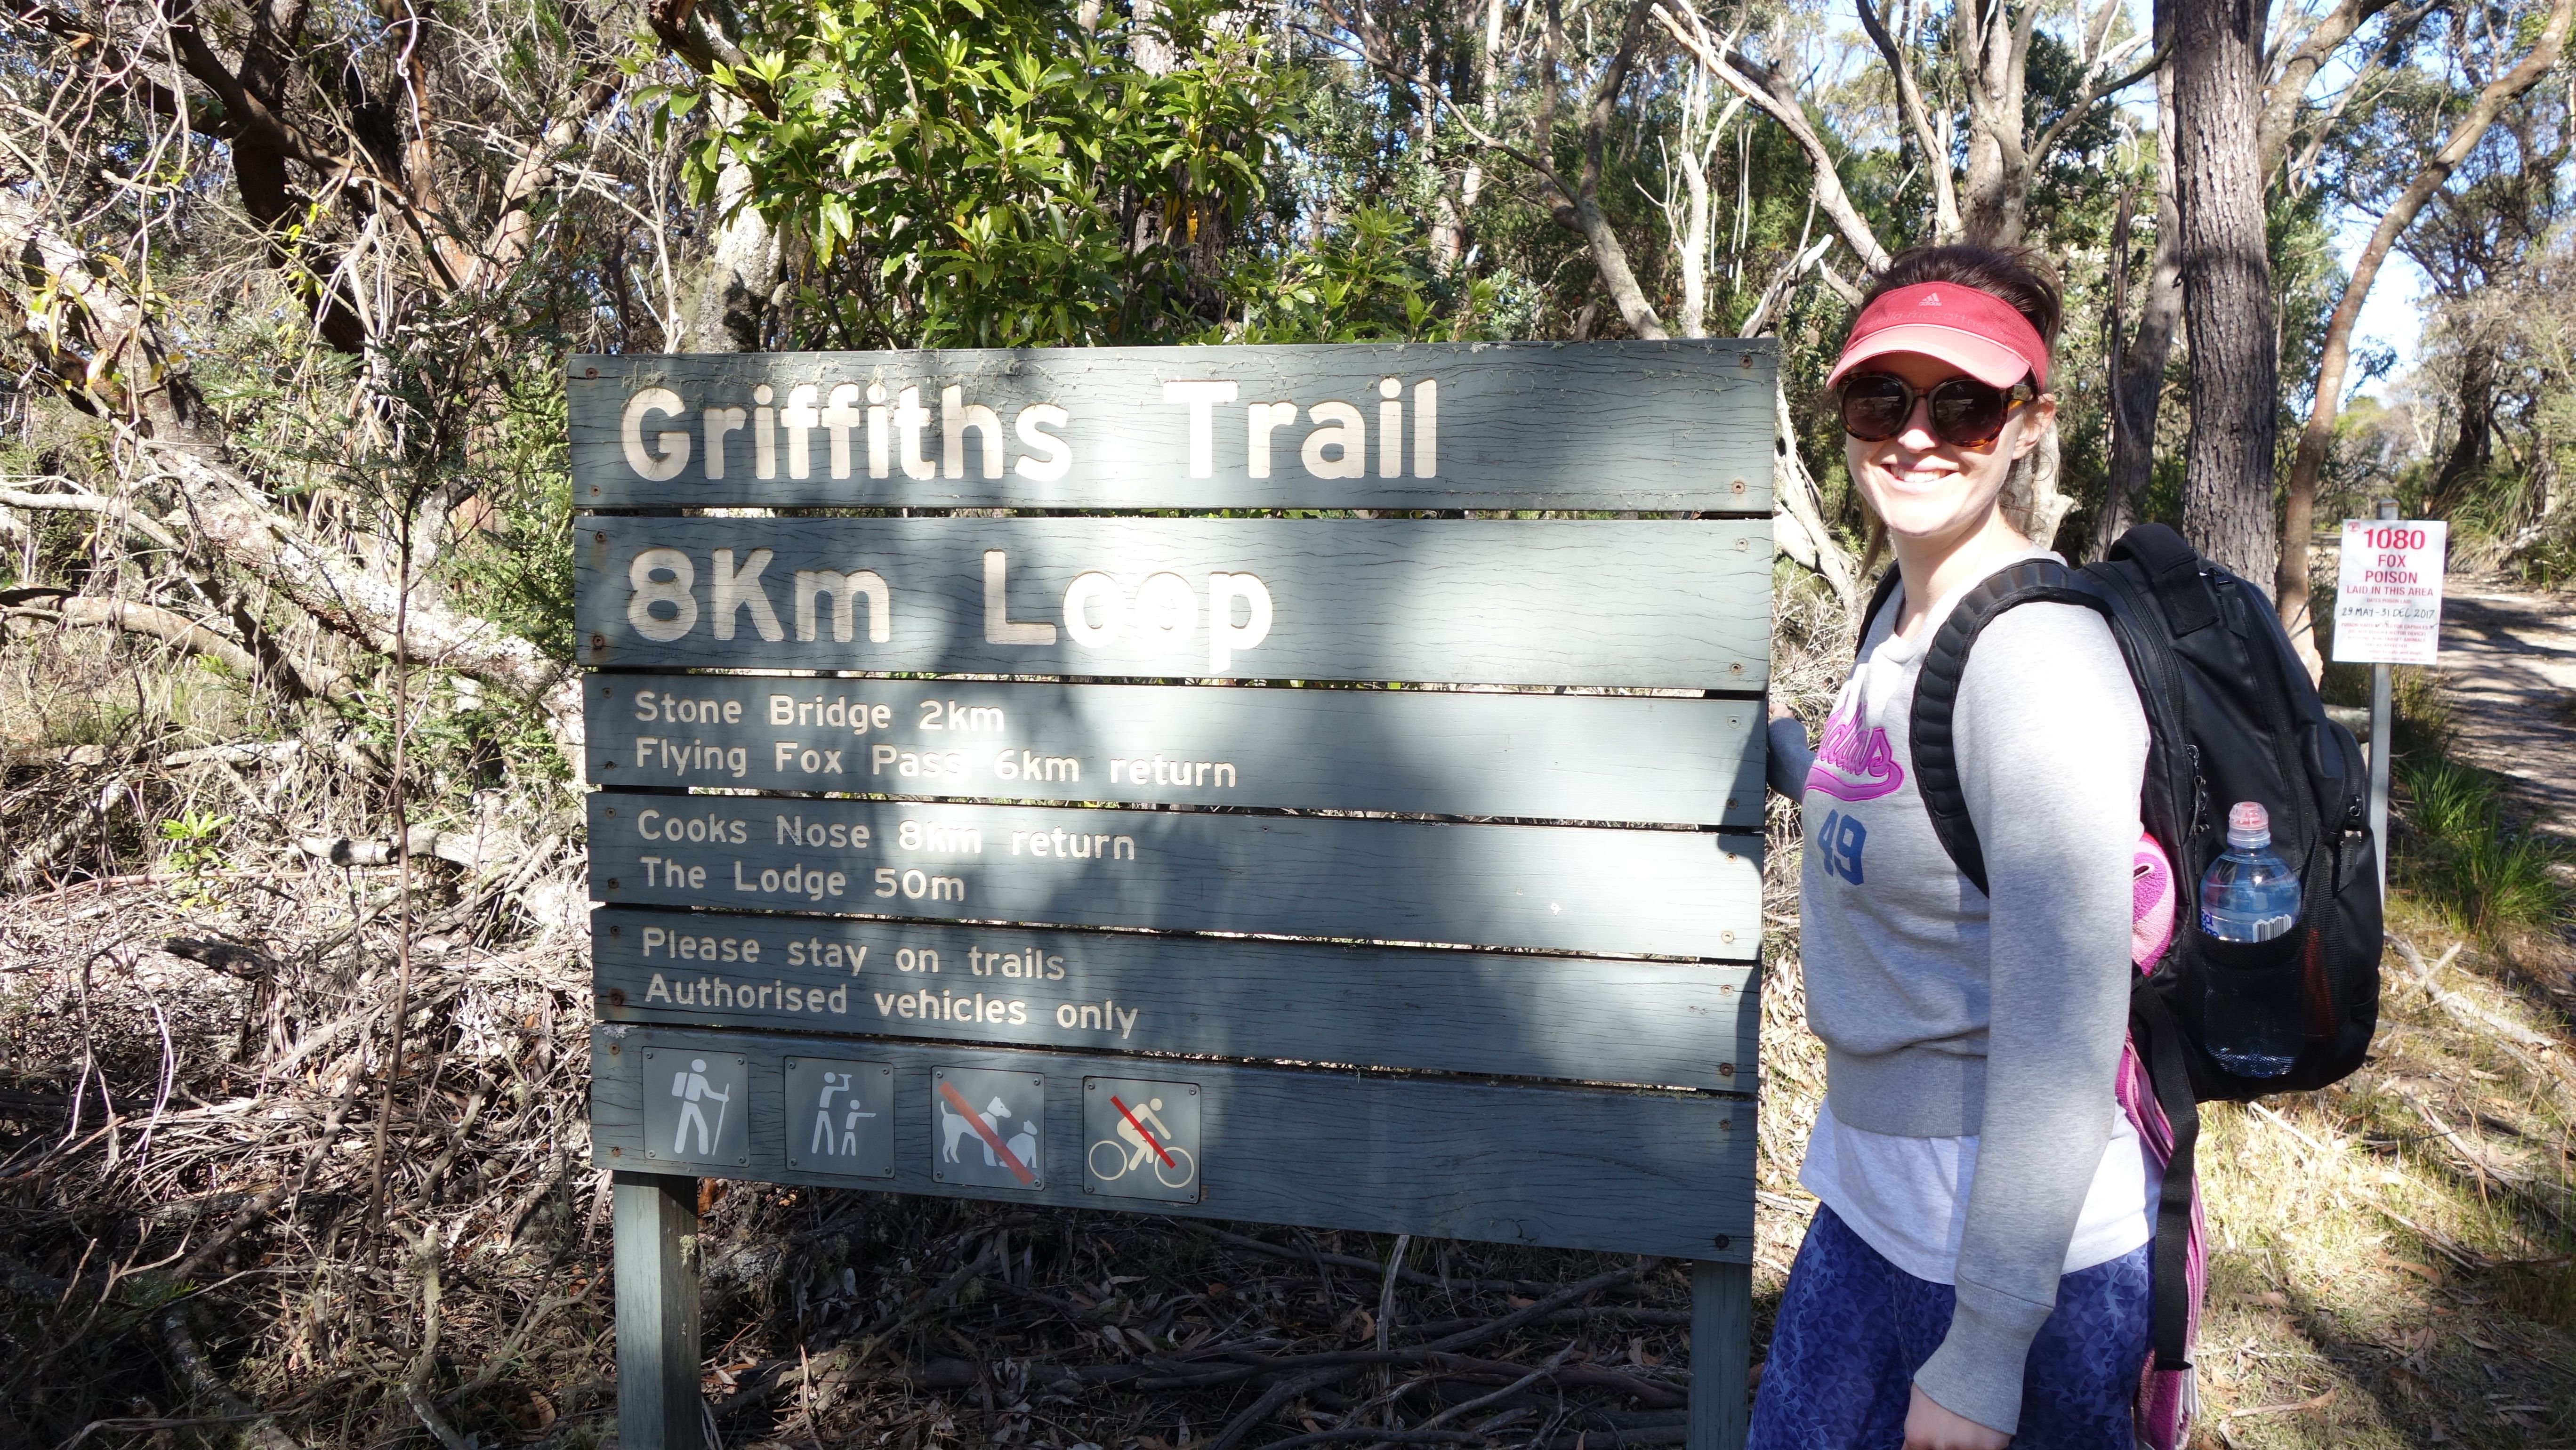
[[2487, 876]]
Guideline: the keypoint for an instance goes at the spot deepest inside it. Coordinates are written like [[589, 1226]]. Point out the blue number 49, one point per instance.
[[1838, 846]]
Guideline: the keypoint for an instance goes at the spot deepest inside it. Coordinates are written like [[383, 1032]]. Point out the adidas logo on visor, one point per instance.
[[1931, 299]]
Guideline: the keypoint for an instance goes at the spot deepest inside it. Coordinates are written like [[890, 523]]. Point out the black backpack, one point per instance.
[[2231, 717]]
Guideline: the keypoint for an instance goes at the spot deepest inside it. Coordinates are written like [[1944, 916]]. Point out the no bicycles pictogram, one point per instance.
[[1141, 1139]]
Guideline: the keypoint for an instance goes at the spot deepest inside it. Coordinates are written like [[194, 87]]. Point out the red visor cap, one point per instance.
[[1976, 332]]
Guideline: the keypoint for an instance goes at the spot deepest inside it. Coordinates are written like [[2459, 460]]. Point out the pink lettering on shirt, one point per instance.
[[1851, 766]]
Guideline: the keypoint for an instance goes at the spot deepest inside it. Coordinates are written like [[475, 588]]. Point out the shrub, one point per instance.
[[2487, 875]]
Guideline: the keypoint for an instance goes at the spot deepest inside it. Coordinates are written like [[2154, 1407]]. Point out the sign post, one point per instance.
[[655, 1218], [1040, 853], [2388, 610]]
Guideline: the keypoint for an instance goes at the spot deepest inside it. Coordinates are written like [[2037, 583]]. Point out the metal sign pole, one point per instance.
[[2381, 692]]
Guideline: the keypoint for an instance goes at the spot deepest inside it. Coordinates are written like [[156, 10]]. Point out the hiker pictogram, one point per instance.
[[695, 1117], [694, 1092]]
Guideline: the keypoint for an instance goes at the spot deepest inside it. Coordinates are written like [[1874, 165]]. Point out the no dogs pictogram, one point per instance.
[[987, 1127]]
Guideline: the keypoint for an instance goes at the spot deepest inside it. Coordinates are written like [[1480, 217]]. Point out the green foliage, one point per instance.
[[988, 173], [2486, 875], [193, 853], [1363, 282], [514, 556]]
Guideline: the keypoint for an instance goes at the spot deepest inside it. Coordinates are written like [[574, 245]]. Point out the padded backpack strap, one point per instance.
[[1936, 694], [1878, 598], [2169, 1281], [2173, 567]]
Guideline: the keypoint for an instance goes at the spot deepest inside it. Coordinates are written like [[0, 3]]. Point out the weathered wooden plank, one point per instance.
[[1677, 893], [1411, 752], [1621, 1170], [1721, 1344], [1683, 604], [656, 1265], [1683, 425], [1575, 1018]]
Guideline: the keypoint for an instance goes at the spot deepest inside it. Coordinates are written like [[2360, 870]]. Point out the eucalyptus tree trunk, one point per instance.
[[2150, 346], [729, 303], [2473, 450], [2227, 285]]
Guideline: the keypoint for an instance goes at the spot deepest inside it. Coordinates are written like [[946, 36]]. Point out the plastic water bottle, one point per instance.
[[2250, 894]]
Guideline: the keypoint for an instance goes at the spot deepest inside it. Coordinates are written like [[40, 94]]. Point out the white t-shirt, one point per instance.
[[1908, 1197]]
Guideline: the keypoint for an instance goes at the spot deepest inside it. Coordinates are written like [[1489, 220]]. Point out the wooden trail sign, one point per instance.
[[1494, 602], [1631, 759], [1398, 874], [1646, 425]]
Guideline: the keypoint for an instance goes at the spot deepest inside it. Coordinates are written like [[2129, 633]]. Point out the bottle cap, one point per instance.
[[2249, 825]]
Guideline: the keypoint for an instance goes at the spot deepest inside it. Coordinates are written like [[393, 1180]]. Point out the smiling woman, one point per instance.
[[1934, 333], [1977, 1272]]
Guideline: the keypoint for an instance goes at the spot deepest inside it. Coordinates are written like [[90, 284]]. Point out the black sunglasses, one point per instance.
[[1965, 413]]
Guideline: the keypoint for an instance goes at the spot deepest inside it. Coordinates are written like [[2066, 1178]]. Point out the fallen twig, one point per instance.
[[1506, 1392], [416, 1382], [202, 1380]]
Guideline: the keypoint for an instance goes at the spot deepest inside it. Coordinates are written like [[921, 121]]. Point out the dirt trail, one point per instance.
[[2509, 657]]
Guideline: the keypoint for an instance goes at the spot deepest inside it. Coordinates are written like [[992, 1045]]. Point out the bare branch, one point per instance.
[[2283, 92], [1936, 158], [112, 508], [2092, 94], [1775, 97], [150, 620]]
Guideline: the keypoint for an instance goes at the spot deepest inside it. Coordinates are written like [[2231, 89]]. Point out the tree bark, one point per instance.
[[727, 308], [2291, 583], [2473, 451], [1577, 208], [2150, 347], [2227, 291]]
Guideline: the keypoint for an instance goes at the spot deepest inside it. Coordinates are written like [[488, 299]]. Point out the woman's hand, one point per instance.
[[1930, 1427], [1780, 709]]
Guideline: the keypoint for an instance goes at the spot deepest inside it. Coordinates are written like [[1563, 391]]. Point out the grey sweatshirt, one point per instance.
[[1945, 1012]]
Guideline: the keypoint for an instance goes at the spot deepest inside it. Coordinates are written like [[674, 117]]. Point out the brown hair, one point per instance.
[[2028, 284]]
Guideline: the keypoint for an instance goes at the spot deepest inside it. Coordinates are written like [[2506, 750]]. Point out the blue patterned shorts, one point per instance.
[[1853, 1329]]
